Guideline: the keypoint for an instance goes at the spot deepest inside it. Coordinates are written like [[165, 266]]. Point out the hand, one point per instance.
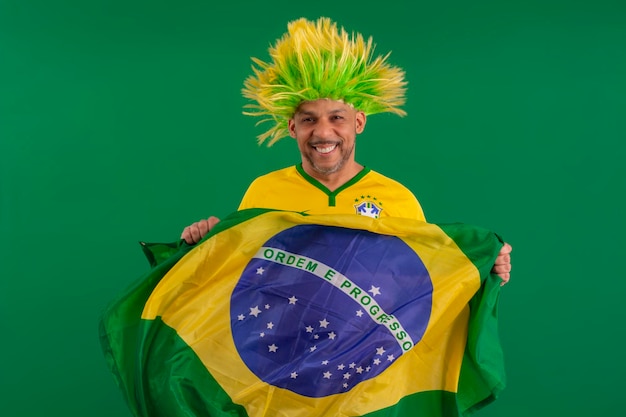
[[196, 231], [502, 265]]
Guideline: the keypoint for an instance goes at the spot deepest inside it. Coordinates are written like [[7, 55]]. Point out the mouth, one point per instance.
[[325, 149]]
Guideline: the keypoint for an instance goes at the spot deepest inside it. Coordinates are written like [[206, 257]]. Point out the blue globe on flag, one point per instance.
[[320, 309]]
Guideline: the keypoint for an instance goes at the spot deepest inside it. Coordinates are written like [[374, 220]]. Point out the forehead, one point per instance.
[[323, 106]]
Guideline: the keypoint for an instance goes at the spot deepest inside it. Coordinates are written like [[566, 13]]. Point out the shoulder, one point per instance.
[[386, 181], [278, 175], [269, 188], [399, 200], [272, 180]]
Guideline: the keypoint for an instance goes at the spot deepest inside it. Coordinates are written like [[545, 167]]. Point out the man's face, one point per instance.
[[326, 133]]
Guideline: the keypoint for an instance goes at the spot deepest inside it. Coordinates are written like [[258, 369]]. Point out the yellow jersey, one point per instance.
[[367, 194]]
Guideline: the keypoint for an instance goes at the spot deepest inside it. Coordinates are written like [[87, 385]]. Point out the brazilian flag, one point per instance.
[[278, 313]]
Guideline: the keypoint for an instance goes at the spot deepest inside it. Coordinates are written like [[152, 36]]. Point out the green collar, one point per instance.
[[331, 194]]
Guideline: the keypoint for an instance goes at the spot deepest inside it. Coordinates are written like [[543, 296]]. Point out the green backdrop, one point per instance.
[[121, 121]]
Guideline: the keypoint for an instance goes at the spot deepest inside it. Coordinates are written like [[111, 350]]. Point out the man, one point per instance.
[[319, 89]]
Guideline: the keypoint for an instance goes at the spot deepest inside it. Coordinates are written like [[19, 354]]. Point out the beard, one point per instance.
[[326, 170]]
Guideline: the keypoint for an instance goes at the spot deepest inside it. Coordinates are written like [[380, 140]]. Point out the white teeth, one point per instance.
[[326, 149]]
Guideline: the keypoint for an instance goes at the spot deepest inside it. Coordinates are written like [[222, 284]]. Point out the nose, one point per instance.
[[324, 129]]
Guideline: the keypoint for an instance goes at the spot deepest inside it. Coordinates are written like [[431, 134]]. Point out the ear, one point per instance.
[[361, 120], [292, 128]]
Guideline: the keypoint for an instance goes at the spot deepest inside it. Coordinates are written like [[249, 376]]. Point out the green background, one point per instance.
[[121, 121]]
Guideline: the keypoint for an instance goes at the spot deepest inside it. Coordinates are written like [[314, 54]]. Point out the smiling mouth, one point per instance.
[[325, 149]]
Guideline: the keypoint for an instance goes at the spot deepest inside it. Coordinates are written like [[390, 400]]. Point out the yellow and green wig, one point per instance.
[[316, 60]]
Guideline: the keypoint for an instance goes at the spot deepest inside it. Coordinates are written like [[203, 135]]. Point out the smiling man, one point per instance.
[[329, 180], [319, 88]]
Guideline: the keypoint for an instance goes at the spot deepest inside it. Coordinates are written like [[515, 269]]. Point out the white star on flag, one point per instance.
[[272, 348], [254, 311], [390, 358], [294, 375], [241, 317], [324, 323], [309, 329], [359, 313], [375, 290], [270, 325], [332, 335], [259, 271], [380, 351], [327, 375], [292, 300]]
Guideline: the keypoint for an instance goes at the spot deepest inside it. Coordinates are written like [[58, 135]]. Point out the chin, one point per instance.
[[328, 169]]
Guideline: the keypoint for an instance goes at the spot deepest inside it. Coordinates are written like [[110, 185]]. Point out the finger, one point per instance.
[[501, 269], [505, 278], [194, 233], [506, 248], [186, 236], [203, 228], [212, 221], [503, 259]]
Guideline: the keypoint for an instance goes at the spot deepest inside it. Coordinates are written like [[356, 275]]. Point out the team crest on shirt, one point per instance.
[[368, 206]]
